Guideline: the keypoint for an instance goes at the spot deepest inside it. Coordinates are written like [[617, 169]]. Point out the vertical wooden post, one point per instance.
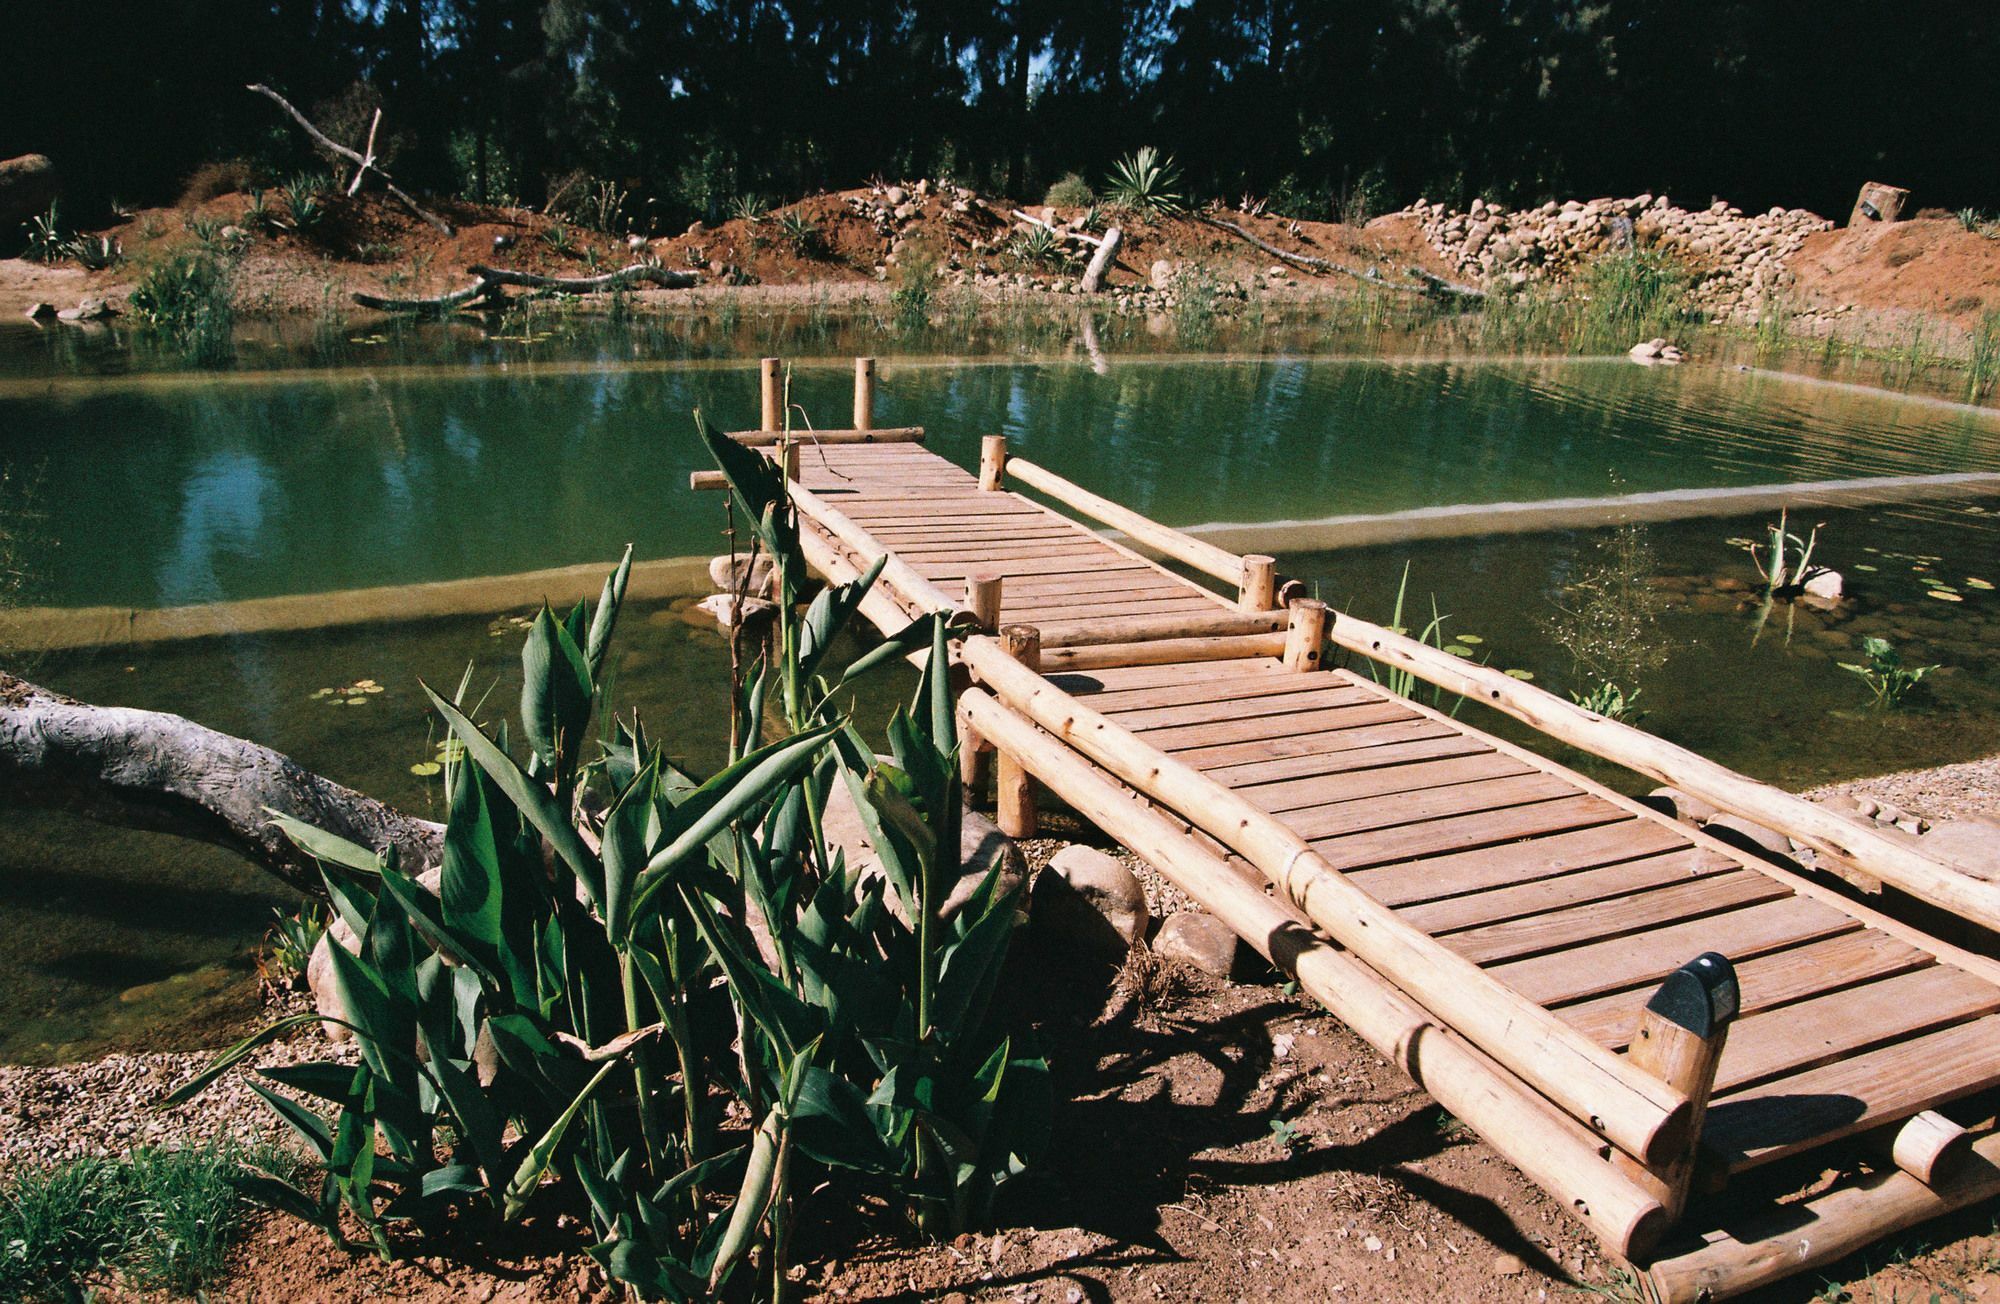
[[1014, 796], [772, 393], [975, 754], [993, 463], [1305, 634], [788, 458], [1258, 590], [1679, 1040], [864, 393]]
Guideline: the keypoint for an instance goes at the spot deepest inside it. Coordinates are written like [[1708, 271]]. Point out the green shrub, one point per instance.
[[1889, 680], [187, 298], [667, 989], [1070, 191]]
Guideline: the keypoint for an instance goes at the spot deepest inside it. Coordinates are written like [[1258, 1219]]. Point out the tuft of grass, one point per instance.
[[802, 234], [187, 298], [1983, 363], [915, 295], [164, 1218]]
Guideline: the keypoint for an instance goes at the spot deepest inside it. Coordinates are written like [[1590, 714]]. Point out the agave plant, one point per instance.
[[802, 234], [1145, 181], [618, 959]]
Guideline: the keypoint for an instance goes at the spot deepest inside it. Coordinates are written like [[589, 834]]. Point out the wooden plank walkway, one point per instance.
[[1574, 896], [1571, 901]]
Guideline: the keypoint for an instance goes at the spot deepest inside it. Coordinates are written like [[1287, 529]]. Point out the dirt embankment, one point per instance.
[[1878, 283]]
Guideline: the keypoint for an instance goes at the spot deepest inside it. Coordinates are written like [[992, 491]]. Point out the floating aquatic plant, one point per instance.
[[1888, 679]]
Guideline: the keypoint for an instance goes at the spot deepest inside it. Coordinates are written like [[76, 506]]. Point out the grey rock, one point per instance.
[[1161, 274], [1089, 901], [1827, 584], [726, 573], [982, 848], [1688, 810], [1751, 837], [28, 185], [40, 311], [1194, 938]]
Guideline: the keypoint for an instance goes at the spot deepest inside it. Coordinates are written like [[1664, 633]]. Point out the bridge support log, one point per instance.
[[975, 754], [1014, 798], [1679, 1040], [864, 393], [770, 392]]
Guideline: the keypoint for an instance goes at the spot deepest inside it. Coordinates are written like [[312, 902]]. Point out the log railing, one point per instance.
[[1868, 849]]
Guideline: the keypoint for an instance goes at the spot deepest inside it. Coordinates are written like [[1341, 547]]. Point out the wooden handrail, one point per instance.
[[1635, 1111], [885, 435], [1204, 557], [1874, 852], [896, 573], [1552, 1150]]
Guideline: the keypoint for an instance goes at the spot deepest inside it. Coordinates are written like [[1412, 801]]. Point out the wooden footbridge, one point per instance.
[[1522, 941]]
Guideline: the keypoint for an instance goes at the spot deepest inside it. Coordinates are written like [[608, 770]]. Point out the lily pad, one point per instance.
[[1943, 596], [1473, 639], [1520, 674], [1864, 566], [425, 769], [1458, 650], [1974, 582]]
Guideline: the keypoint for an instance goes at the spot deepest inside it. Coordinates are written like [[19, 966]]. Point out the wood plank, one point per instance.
[[1149, 582], [1462, 815], [1521, 900], [1372, 781], [961, 507], [1648, 957], [1154, 591], [1445, 876], [1119, 679], [1276, 726], [1789, 1114], [1067, 564], [1825, 1028], [986, 548], [1406, 726], [901, 536], [1597, 920], [1766, 982], [1142, 720], [1461, 833], [1236, 685], [1059, 619], [1431, 743]]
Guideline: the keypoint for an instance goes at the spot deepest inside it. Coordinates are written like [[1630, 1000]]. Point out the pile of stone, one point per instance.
[[897, 213], [1738, 259]]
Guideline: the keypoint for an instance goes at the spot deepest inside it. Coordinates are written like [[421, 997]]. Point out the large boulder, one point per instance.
[[1195, 938], [1091, 902], [28, 185]]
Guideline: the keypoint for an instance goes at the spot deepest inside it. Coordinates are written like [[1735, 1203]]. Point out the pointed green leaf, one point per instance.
[[521, 1187]]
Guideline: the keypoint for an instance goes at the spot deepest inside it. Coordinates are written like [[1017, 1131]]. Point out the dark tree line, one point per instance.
[[1324, 105]]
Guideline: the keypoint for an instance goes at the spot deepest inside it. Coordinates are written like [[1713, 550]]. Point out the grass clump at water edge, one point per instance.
[[163, 1218], [186, 297]]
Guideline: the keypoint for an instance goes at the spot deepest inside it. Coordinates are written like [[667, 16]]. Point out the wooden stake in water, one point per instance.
[[773, 400]]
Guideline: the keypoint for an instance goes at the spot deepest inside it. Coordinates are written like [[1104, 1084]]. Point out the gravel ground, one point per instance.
[[1946, 792], [109, 1107]]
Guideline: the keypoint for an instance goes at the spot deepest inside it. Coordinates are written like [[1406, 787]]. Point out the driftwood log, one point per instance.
[[365, 164], [162, 773], [490, 287], [1101, 261], [1428, 284]]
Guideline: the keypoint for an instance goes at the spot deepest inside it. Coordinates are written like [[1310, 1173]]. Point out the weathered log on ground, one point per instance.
[[490, 287], [159, 772], [365, 164], [1101, 261], [1430, 284]]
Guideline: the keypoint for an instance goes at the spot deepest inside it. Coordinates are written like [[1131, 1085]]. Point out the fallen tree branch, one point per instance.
[[1061, 233], [491, 287], [367, 164], [1431, 284], [150, 770]]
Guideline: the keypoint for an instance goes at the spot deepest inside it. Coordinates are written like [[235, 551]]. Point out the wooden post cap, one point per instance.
[[1701, 996]]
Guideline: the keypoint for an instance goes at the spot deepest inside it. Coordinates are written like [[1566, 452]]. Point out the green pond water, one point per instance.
[[171, 489]]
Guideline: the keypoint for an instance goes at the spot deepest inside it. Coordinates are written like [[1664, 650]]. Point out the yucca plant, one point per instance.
[[1144, 181], [46, 241], [802, 234], [551, 1009], [302, 201], [1037, 246]]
